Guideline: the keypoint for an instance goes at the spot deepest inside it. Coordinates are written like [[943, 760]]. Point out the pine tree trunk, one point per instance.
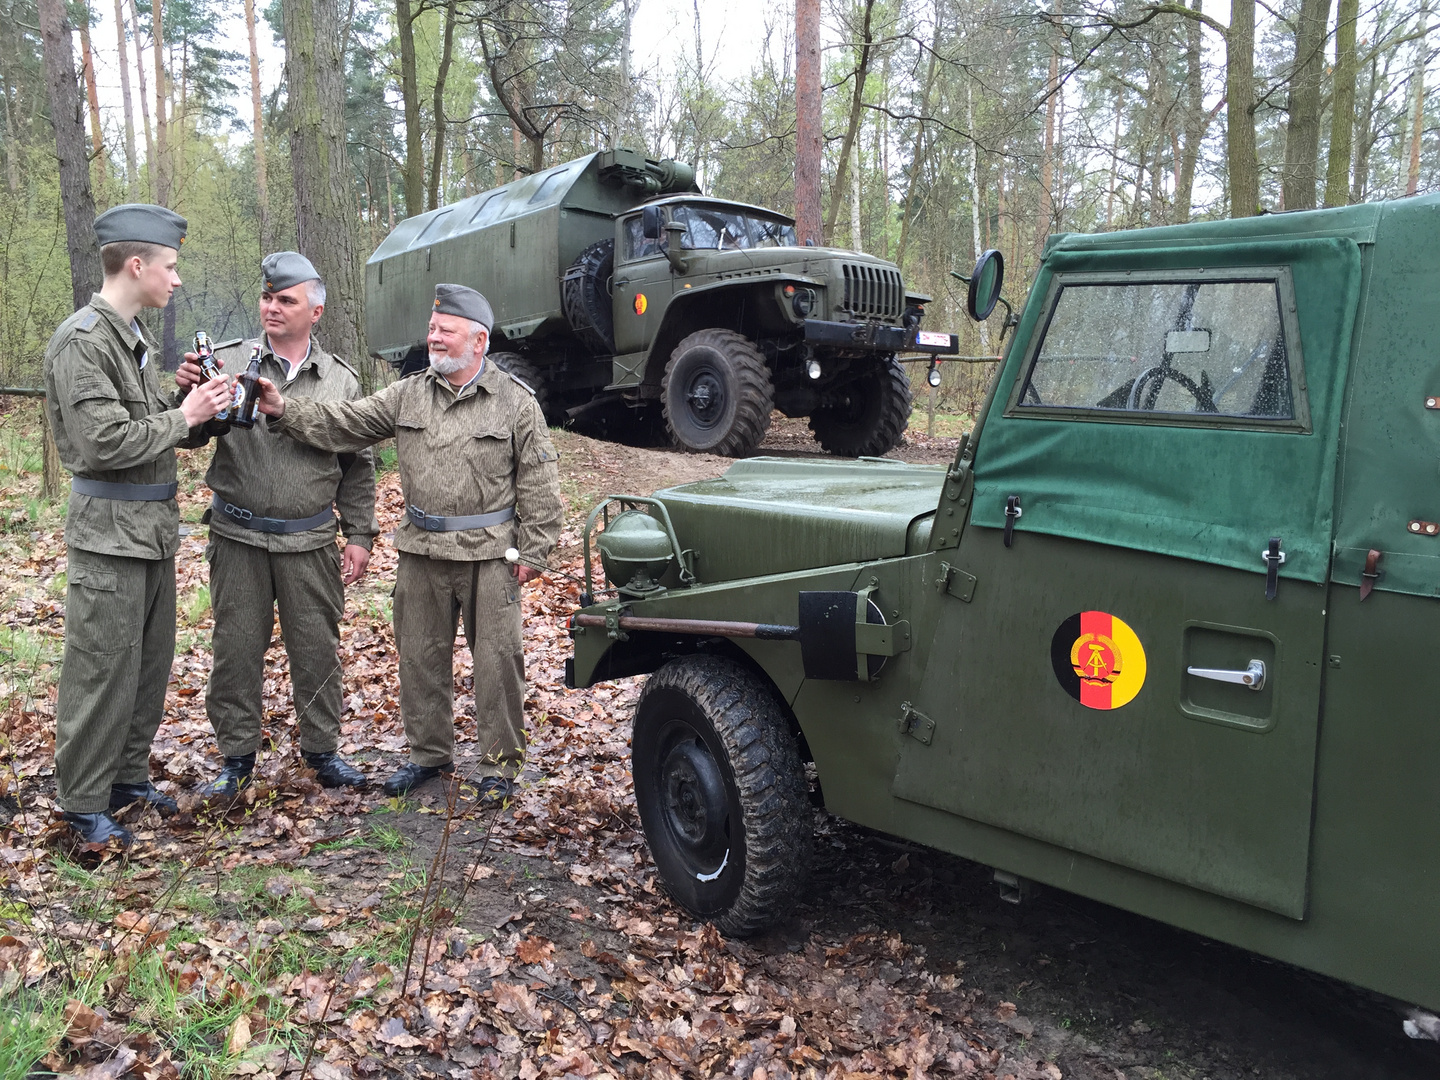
[[92, 96], [1364, 137], [1045, 218], [857, 109], [808, 121], [1301, 173], [1240, 160], [131, 166], [974, 178], [917, 156], [414, 174], [144, 95], [1195, 122], [324, 212], [1342, 106], [75, 195], [257, 128], [437, 160], [160, 168], [1417, 116]]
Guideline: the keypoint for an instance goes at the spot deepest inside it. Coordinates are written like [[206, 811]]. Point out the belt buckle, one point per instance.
[[428, 522], [238, 512]]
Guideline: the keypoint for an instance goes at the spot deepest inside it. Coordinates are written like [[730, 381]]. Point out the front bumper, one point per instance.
[[879, 337]]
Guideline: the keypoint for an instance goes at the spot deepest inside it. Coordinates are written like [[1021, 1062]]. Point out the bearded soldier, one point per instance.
[[117, 434], [479, 474], [272, 539]]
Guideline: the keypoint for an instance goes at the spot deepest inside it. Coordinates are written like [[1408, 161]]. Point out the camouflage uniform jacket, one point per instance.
[[475, 452], [275, 477], [112, 423]]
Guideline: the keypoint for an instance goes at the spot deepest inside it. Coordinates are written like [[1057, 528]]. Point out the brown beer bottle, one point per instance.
[[247, 393], [205, 350]]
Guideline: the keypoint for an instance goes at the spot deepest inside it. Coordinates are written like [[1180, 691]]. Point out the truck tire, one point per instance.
[[585, 295], [872, 418], [717, 394], [722, 793], [527, 373]]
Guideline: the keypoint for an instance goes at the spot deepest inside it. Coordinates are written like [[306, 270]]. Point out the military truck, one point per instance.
[[619, 289], [1163, 633]]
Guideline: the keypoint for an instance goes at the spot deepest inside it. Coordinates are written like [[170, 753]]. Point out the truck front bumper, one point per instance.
[[879, 337]]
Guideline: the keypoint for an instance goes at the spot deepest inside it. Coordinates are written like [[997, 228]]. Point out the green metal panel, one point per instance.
[[784, 515]]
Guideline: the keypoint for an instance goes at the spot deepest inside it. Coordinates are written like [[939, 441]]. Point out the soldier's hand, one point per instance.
[[525, 573], [271, 402], [353, 562], [205, 401], [188, 375]]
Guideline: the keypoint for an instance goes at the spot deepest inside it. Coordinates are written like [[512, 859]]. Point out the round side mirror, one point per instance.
[[985, 285]]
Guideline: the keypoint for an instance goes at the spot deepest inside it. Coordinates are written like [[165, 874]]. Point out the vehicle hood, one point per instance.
[[771, 515], [804, 261]]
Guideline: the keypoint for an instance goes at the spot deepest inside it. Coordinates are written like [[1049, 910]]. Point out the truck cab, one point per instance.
[[1160, 635]]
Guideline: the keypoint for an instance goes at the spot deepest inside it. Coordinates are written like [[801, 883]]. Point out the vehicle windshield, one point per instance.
[[719, 229]]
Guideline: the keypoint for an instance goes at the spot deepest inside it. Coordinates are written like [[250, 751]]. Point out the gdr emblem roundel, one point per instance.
[[1098, 659]]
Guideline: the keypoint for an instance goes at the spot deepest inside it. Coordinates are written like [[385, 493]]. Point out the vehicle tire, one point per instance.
[[722, 793], [529, 374], [585, 296], [717, 394], [872, 417]]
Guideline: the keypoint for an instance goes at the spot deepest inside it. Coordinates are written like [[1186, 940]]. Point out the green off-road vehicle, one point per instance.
[[1163, 634], [620, 291]]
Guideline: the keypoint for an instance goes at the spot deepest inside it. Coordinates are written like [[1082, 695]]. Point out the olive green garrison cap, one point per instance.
[[284, 269], [464, 301], [140, 223]]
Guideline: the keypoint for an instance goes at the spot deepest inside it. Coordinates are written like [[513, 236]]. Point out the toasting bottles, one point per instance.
[[247, 393]]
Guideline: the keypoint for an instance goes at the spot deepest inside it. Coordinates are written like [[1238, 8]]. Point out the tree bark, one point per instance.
[[1364, 137], [974, 163], [324, 212], [144, 94], [75, 195], [1300, 175], [1417, 89], [257, 128], [857, 107], [808, 120], [1195, 119], [92, 95], [1342, 106], [131, 167], [1241, 162], [160, 168], [414, 172], [917, 158], [1045, 217], [442, 72]]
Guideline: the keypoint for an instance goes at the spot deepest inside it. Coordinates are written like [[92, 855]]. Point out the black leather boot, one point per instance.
[[496, 790], [122, 795], [99, 828], [233, 777], [334, 771], [410, 776]]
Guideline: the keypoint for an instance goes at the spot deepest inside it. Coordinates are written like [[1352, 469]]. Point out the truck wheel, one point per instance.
[[717, 394], [585, 294], [872, 417], [721, 792], [527, 373]]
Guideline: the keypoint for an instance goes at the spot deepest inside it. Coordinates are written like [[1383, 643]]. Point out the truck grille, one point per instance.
[[873, 291]]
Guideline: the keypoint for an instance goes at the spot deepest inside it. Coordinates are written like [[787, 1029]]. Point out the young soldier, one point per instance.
[[479, 474], [272, 539], [117, 436]]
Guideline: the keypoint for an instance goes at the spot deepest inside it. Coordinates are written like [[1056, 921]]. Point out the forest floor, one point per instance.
[[303, 932]]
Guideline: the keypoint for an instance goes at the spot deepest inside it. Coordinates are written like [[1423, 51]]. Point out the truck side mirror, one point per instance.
[[651, 225], [985, 284]]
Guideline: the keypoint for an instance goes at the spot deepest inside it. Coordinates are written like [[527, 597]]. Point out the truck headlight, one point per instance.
[[812, 368], [803, 302]]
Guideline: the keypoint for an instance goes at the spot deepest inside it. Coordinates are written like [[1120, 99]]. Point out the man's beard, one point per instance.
[[445, 364]]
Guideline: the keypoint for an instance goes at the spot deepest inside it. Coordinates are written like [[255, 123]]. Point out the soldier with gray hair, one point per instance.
[[272, 539], [479, 475]]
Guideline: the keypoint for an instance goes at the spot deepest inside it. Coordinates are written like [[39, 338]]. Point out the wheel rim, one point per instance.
[[705, 397], [693, 802]]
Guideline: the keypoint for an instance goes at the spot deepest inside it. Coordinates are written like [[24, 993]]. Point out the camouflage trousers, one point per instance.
[[119, 645], [432, 596], [247, 584]]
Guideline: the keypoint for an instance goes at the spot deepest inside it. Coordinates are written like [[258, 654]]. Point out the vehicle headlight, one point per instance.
[[803, 302]]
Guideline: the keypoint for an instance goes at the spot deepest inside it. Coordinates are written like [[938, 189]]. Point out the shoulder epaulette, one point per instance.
[[346, 365], [229, 344], [89, 319], [520, 382]]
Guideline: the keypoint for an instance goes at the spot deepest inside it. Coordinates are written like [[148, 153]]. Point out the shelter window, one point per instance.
[[1184, 346]]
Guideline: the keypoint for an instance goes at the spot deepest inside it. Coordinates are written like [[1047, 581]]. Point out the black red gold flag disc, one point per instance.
[[1098, 659]]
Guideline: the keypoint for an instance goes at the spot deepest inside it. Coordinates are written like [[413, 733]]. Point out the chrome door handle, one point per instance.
[[1252, 677]]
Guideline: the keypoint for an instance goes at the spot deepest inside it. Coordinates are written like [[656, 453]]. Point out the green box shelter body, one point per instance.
[[1303, 821]]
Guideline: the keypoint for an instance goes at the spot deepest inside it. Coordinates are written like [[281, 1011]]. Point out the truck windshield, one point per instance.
[[715, 228], [1170, 347]]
